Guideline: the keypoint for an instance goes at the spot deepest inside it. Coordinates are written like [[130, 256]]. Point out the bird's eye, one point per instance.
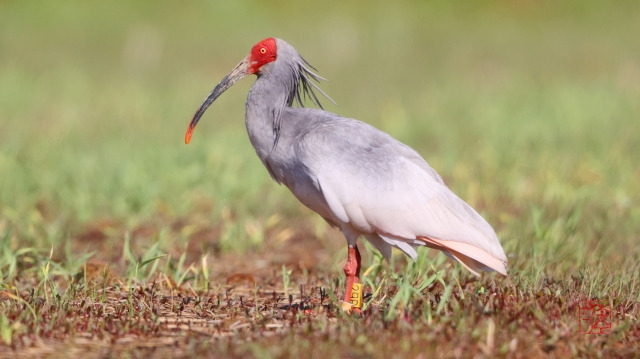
[[263, 50]]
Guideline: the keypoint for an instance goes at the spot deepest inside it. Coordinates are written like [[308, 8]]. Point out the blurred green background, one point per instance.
[[530, 110]]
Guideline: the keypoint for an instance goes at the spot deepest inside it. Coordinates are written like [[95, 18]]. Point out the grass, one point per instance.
[[116, 239]]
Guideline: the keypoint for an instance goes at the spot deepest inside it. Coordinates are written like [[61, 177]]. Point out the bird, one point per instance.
[[355, 176]]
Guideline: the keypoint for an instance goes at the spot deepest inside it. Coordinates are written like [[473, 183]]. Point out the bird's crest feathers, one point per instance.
[[304, 86]]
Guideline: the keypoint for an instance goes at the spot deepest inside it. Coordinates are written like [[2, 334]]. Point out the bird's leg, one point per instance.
[[353, 292]]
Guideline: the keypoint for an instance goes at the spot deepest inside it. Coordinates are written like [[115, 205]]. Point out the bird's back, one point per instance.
[[358, 176]]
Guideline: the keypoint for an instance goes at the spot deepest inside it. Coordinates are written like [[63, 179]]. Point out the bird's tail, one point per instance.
[[471, 257]]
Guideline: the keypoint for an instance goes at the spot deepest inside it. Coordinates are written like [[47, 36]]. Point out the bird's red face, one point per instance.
[[261, 54]]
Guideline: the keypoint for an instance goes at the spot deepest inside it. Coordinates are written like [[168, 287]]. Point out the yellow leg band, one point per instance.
[[356, 295]]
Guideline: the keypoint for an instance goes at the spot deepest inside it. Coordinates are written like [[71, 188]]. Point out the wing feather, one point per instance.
[[383, 188]]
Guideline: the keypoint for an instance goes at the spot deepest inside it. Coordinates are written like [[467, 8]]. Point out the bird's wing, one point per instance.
[[379, 185]]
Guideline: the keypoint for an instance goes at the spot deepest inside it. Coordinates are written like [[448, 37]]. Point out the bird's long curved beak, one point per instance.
[[239, 72]]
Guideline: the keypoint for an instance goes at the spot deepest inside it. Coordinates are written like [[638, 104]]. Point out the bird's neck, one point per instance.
[[265, 103]]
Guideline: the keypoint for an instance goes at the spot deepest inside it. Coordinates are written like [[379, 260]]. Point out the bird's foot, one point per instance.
[[353, 291], [350, 308]]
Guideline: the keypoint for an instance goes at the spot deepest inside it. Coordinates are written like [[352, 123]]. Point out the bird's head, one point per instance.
[[262, 53], [261, 60]]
